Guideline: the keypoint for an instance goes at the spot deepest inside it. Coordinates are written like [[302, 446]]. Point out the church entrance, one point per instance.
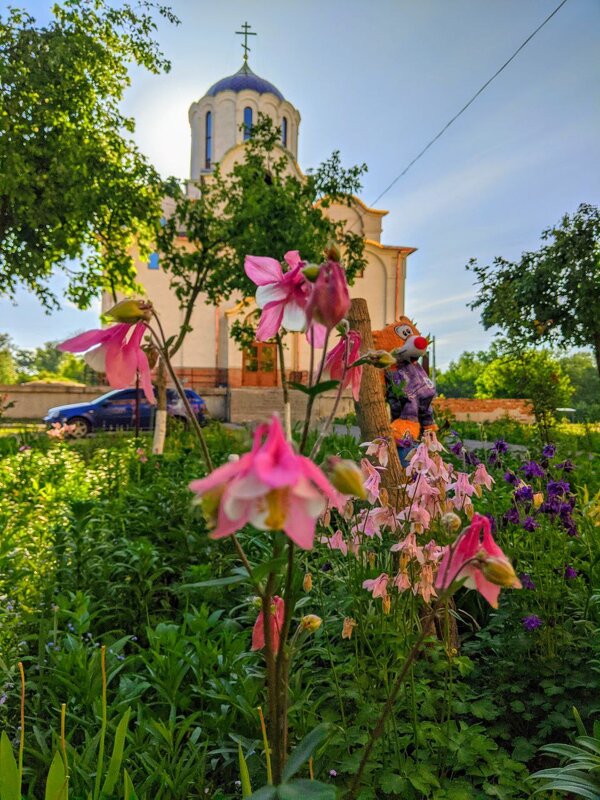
[[259, 366]]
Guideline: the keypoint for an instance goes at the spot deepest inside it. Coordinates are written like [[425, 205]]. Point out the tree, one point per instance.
[[8, 372], [460, 379], [580, 369], [552, 294], [72, 183]]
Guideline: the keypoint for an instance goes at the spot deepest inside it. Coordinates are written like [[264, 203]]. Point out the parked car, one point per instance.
[[116, 410]]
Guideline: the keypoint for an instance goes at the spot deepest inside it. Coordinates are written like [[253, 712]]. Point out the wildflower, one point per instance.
[[570, 573], [557, 488], [549, 451], [379, 448], [471, 459], [524, 494], [141, 454], [329, 299], [481, 477], [276, 614], [348, 627], [377, 586], [307, 582], [477, 559], [532, 470], [529, 524], [334, 363], [283, 297], [271, 487], [531, 622], [510, 477], [526, 581], [425, 586], [371, 479], [566, 466], [538, 499], [451, 521], [457, 448], [512, 515], [117, 351], [421, 461], [332, 773], [24, 448], [500, 446], [310, 623], [347, 477], [432, 442], [335, 542]]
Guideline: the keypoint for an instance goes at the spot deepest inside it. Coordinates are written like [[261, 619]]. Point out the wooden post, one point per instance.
[[371, 409]]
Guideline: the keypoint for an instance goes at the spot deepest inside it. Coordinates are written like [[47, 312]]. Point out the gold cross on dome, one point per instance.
[[245, 32]]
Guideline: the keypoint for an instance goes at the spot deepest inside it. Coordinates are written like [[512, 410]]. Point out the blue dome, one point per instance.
[[244, 79]]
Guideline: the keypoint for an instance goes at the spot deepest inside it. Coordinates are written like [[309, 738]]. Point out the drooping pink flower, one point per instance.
[[379, 448], [272, 487], [377, 586], [282, 296], [367, 524], [334, 363], [335, 542], [476, 558], [276, 623], [372, 479], [425, 495], [329, 299], [481, 477], [421, 462], [408, 546], [117, 352], [432, 442], [425, 586]]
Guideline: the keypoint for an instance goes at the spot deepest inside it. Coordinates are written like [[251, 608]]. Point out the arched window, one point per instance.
[[208, 145], [284, 131], [247, 122]]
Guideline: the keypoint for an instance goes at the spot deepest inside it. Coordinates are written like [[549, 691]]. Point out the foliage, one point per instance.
[[579, 776], [74, 185], [8, 372], [579, 368], [460, 378], [551, 294]]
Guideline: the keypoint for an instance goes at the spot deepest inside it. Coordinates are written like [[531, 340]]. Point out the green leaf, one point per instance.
[[324, 386], [114, 765], [244, 774], [264, 793], [129, 791], [230, 579], [56, 783], [303, 751], [10, 788], [299, 387], [305, 790]]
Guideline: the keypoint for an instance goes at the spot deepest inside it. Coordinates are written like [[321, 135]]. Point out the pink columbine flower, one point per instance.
[[271, 487], [117, 352], [378, 586], [379, 448], [481, 477], [329, 299], [335, 542], [276, 620], [432, 442], [421, 461], [334, 363], [372, 479], [476, 557], [282, 296]]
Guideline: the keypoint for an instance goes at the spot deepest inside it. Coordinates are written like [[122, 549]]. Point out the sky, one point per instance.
[[377, 81]]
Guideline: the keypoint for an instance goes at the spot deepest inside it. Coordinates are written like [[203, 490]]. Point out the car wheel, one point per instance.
[[81, 427]]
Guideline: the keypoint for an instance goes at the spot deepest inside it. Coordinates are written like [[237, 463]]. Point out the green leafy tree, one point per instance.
[[460, 379], [580, 369], [552, 294], [72, 183], [8, 372]]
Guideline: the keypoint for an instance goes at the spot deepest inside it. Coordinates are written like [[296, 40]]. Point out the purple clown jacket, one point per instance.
[[413, 404]]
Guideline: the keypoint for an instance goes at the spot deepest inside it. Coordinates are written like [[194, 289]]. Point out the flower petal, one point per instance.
[[262, 270], [270, 321], [78, 344], [269, 293], [294, 317]]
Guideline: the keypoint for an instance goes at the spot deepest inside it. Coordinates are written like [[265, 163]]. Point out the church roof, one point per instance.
[[244, 78]]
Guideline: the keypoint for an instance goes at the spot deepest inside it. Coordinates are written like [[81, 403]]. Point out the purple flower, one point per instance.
[[3, 698], [24, 448], [500, 446], [455, 433], [493, 458], [405, 443], [570, 573], [529, 524], [526, 581], [531, 622], [510, 477], [457, 448], [512, 515], [532, 470], [557, 488], [332, 773], [570, 527], [493, 522], [549, 451], [566, 466], [471, 459], [524, 494], [551, 506]]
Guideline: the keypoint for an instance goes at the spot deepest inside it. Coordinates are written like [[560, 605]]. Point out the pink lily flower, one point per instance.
[[276, 622], [117, 352], [334, 363], [378, 586], [476, 558], [282, 296], [378, 448], [271, 487], [481, 477]]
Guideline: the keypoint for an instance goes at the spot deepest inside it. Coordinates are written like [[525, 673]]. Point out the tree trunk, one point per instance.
[[596, 346], [160, 424], [371, 409]]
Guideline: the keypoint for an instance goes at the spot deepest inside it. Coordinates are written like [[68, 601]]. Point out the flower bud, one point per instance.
[[332, 252], [307, 582], [311, 272], [538, 499], [330, 300], [310, 623], [131, 311], [371, 557], [380, 359], [257, 602], [386, 604], [347, 477], [451, 521], [500, 572], [348, 627]]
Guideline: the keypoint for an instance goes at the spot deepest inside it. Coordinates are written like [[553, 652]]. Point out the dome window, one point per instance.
[[284, 131], [247, 122], [208, 140]]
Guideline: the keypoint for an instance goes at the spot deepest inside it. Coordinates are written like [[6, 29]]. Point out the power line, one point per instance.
[[464, 108]]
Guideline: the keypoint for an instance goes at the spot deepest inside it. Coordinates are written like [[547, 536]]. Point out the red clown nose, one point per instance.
[[421, 343]]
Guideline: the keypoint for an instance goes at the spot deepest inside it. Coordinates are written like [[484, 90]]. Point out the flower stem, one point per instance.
[[100, 762], [317, 445], [311, 398], [22, 736]]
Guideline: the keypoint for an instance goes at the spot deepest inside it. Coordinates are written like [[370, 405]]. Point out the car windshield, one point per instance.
[[107, 396]]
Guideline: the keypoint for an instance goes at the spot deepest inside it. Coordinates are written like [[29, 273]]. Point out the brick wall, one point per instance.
[[469, 410]]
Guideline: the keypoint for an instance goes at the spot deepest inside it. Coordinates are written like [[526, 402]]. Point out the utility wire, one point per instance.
[[464, 108]]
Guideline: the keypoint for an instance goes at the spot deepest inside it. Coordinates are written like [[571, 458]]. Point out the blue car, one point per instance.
[[116, 410]]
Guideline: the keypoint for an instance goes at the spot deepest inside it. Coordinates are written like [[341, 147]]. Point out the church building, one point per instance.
[[220, 122]]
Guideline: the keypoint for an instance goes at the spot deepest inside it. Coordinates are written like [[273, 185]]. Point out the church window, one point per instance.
[[247, 122], [153, 261], [284, 129], [208, 144]]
